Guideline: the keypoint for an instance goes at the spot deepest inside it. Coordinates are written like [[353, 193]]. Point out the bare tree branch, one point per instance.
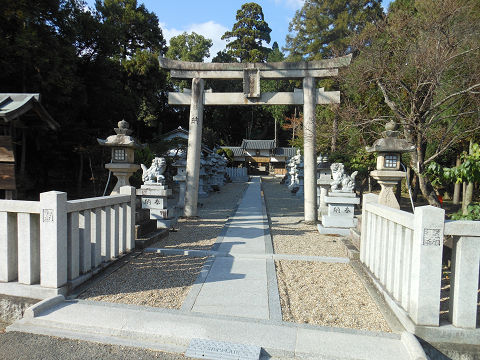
[[390, 103]]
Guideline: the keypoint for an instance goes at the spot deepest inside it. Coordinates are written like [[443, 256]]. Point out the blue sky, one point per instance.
[[211, 18]]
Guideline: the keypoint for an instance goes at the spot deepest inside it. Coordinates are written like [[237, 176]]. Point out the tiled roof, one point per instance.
[[237, 150], [286, 151], [257, 144]]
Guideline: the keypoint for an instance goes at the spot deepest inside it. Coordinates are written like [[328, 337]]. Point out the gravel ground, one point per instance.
[[290, 234], [213, 211], [164, 281], [326, 294], [150, 280]]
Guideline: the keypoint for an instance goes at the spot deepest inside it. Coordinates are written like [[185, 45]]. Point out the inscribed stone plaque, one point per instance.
[[209, 349], [47, 215], [432, 237]]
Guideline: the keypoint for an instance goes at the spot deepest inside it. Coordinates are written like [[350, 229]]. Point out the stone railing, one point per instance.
[[403, 252], [51, 246]]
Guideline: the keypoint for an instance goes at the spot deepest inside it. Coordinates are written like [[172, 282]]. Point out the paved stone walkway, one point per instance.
[[237, 285]]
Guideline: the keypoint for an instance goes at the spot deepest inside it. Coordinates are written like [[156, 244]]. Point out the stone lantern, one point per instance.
[[123, 152], [388, 173]]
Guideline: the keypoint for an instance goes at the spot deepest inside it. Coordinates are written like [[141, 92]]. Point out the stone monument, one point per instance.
[[181, 178], [340, 201], [123, 147], [324, 180], [388, 173], [154, 193]]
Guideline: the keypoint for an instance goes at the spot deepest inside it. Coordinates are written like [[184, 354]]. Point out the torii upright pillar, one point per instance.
[[194, 148], [309, 153]]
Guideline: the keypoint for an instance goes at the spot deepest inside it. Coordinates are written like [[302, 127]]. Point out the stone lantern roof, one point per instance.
[[390, 141], [122, 137]]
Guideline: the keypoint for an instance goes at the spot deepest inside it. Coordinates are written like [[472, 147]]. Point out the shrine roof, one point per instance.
[[258, 144], [13, 105]]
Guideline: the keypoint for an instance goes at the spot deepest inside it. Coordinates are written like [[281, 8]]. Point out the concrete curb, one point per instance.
[[413, 346], [171, 330], [42, 306], [202, 253]]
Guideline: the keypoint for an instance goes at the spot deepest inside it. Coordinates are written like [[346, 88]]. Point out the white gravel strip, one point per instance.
[[320, 293], [290, 234]]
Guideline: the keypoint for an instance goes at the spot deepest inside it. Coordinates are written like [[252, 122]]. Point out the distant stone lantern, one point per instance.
[[123, 155], [388, 173]]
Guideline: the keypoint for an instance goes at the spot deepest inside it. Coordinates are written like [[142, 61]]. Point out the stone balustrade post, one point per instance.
[[464, 281], [130, 217], [426, 268], [53, 239]]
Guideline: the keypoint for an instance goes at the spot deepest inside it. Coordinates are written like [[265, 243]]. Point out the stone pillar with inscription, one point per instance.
[[194, 148], [181, 178], [324, 180]]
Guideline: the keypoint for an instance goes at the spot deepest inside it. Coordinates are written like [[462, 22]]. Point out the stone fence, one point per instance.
[[237, 174], [403, 252], [50, 246]]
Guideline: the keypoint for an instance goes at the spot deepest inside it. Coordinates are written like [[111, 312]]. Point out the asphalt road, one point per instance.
[[19, 346]]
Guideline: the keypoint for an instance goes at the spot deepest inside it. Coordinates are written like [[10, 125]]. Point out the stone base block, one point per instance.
[[339, 221], [166, 223], [322, 210], [332, 230], [300, 193]]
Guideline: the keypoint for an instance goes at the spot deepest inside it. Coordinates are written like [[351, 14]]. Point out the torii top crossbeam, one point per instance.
[[251, 73]]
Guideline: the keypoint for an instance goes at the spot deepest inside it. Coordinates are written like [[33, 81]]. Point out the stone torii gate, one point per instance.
[[251, 73]]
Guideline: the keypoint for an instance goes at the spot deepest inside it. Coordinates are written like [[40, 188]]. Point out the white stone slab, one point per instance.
[[344, 210], [338, 221], [209, 349], [154, 203], [333, 230], [154, 192], [341, 200]]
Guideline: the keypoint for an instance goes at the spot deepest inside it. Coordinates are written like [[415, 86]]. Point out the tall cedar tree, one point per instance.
[[248, 33]]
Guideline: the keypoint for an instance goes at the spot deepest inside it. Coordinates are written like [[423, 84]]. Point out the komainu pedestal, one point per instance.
[[154, 197], [341, 201]]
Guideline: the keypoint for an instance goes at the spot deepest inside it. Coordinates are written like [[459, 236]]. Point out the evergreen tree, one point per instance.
[[323, 28], [189, 47], [249, 33]]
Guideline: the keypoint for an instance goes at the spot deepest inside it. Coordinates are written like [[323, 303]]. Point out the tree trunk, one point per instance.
[[468, 191], [334, 134], [416, 187], [456, 190], [468, 198], [427, 191]]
